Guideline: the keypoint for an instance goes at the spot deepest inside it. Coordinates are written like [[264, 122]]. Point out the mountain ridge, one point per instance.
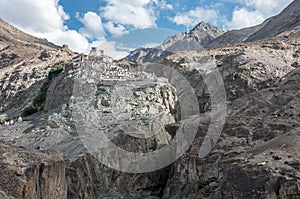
[[288, 19], [196, 39], [284, 21]]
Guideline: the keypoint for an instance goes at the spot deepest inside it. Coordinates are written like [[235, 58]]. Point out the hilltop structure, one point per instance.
[[95, 55], [97, 64]]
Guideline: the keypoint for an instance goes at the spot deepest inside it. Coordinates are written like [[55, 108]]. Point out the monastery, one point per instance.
[[104, 67]]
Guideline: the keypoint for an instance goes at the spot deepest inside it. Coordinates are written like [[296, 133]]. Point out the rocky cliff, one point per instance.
[[235, 36], [32, 174]]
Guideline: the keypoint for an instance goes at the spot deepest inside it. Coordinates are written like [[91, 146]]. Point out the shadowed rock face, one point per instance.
[[30, 174]]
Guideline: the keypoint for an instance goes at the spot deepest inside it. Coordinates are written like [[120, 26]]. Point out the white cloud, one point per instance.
[[255, 12], [250, 13], [76, 41], [267, 8], [151, 45], [244, 18], [136, 13], [33, 15], [42, 19], [162, 4], [115, 30], [93, 27], [110, 48], [193, 17]]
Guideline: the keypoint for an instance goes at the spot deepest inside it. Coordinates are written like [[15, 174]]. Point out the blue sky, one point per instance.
[[118, 26]]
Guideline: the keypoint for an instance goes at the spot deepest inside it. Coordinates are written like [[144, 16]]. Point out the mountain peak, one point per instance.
[[203, 26], [196, 39]]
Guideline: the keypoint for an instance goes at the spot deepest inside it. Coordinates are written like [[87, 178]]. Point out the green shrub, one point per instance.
[[163, 91], [39, 100], [58, 68], [29, 111]]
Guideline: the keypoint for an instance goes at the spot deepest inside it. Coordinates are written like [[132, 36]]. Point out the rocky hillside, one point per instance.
[[25, 61], [195, 39], [288, 19], [235, 36], [255, 156]]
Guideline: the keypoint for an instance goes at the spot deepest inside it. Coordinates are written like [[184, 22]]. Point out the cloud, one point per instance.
[[162, 4], [136, 13], [267, 8], [150, 45], [248, 13], [255, 12], [110, 48], [193, 17], [93, 27], [34, 15], [42, 19], [76, 41], [115, 30], [244, 18]]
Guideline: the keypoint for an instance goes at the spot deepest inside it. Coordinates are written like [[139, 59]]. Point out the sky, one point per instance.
[[119, 26]]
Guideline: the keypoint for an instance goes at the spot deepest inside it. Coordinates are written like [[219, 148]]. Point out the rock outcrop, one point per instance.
[[119, 107], [31, 174]]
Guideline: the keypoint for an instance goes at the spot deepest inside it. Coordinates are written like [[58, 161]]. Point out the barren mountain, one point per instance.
[[16, 45], [235, 36], [195, 39], [25, 61], [288, 19], [205, 36]]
